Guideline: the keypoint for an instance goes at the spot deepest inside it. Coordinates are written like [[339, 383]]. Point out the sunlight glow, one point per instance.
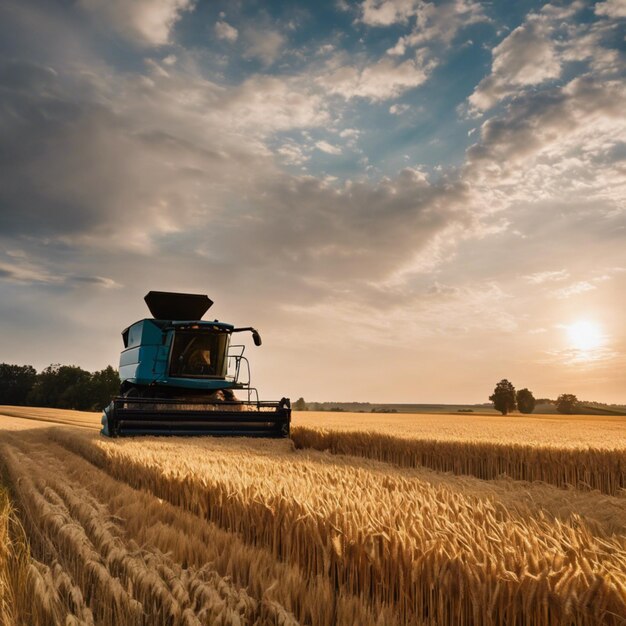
[[585, 336]]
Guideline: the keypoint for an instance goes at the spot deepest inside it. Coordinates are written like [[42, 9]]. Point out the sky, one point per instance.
[[410, 200]]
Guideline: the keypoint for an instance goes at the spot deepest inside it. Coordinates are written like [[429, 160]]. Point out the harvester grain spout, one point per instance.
[[179, 375]]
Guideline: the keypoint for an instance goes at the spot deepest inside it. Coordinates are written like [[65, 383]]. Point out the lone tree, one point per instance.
[[525, 401], [503, 397], [567, 403], [299, 405]]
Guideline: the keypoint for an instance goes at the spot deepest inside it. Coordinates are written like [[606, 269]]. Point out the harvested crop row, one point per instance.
[[433, 554], [278, 589], [590, 468], [122, 585]]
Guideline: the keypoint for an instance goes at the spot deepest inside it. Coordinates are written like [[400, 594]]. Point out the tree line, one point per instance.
[[505, 399], [58, 386]]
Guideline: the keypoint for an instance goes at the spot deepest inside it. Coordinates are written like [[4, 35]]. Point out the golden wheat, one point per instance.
[[586, 452], [590, 468], [124, 584], [559, 431], [181, 588], [35, 417], [5, 557], [12, 561], [184, 531], [386, 538], [23, 581]]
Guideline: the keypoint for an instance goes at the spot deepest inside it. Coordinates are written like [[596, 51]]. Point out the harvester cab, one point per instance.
[[179, 375]]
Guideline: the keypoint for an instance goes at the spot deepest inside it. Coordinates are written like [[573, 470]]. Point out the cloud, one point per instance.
[[387, 12], [398, 109], [539, 278], [379, 81], [63, 161], [439, 289], [24, 273], [98, 281], [525, 57], [266, 104], [147, 21], [361, 232], [85, 168], [264, 44], [540, 50], [292, 153], [614, 9], [30, 273], [182, 166], [326, 48], [574, 289], [435, 313], [324, 146], [434, 23], [225, 31], [350, 134], [548, 278], [583, 117]]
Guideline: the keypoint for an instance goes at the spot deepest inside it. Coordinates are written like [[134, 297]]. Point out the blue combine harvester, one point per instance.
[[179, 375]]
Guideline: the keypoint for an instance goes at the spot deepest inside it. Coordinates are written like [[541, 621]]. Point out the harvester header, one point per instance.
[[179, 375]]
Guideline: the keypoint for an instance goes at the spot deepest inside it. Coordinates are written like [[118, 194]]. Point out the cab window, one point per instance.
[[199, 354]]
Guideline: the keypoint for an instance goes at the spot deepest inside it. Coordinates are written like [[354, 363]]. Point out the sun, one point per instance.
[[585, 335]]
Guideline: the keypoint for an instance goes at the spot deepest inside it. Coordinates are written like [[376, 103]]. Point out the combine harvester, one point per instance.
[[179, 375]]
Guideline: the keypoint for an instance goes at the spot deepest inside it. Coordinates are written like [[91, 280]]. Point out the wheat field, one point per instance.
[[361, 519]]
